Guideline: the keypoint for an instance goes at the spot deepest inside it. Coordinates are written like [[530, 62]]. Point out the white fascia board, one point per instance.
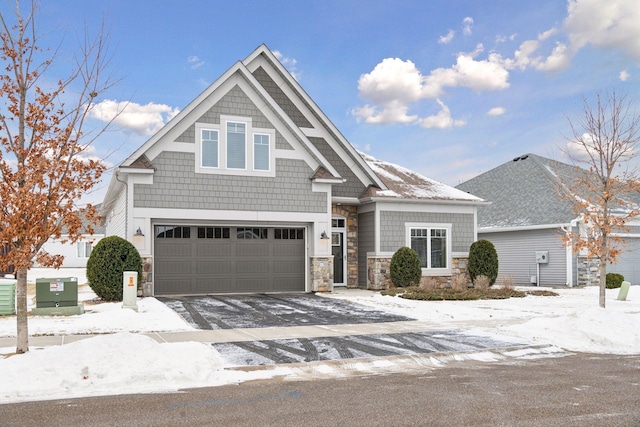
[[426, 207], [195, 215], [329, 180], [354, 201], [521, 228], [135, 171], [253, 61]]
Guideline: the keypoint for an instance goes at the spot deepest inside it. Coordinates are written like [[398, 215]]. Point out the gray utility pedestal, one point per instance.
[[57, 297]]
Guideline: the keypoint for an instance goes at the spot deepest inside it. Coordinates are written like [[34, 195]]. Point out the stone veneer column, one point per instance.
[[378, 269], [147, 276], [322, 273], [351, 215], [588, 271]]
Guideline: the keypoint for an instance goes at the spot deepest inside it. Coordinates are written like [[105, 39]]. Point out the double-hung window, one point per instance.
[[432, 243], [210, 148]]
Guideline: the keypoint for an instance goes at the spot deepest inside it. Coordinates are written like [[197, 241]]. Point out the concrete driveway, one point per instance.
[[296, 311]]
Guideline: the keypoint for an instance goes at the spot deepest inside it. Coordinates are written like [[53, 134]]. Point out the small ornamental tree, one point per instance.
[[483, 261], [111, 257], [45, 166], [406, 269]]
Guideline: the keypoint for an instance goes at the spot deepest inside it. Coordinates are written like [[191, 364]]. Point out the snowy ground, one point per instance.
[[121, 361]]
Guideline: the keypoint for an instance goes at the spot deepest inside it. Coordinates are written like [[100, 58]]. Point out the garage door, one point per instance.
[[201, 260], [628, 262]]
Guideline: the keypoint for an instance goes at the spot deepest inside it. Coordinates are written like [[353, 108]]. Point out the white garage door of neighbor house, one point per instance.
[[195, 260], [628, 262]]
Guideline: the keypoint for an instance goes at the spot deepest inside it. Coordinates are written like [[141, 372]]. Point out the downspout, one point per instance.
[[126, 206]]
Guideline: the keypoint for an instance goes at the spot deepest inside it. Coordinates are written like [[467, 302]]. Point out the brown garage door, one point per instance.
[[201, 260]]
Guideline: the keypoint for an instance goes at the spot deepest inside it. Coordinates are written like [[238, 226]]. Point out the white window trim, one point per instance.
[[222, 168], [84, 249], [429, 225], [253, 148]]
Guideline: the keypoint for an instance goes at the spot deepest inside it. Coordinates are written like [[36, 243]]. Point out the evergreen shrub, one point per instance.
[[483, 261], [614, 280], [111, 257], [406, 269]]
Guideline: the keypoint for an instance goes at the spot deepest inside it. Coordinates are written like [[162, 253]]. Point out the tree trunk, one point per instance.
[[603, 282], [22, 345]]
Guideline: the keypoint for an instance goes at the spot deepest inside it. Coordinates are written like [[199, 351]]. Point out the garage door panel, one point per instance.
[[222, 260], [214, 267]]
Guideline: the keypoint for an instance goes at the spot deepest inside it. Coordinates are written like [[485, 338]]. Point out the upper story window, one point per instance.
[[84, 249], [235, 147]]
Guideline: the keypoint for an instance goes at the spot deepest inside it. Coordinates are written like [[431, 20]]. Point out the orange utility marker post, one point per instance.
[[130, 290]]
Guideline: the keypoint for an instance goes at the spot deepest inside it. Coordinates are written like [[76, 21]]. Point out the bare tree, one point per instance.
[[604, 188], [44, 165]]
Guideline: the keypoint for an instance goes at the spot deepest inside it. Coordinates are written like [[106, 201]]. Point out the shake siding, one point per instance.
[[352, 187], [176, 185], [518, 259], [281, 98], [234, 103], [393, 231], [366, 243]]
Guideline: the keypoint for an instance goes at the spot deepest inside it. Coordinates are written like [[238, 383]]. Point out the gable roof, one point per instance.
[[522, 192], [405, 184]]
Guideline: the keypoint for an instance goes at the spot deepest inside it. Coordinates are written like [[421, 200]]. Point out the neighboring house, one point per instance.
[[526, 219], [75, 254], [251, 188]]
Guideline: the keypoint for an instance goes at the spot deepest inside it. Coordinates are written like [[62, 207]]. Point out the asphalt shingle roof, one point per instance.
[[522, 192]]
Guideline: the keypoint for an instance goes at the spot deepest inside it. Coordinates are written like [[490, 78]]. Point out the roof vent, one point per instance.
[[516, 159], [524, 157]]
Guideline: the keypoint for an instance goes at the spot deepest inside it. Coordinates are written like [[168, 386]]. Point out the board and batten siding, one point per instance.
[[517, 255], [366, 243], [393, 231]]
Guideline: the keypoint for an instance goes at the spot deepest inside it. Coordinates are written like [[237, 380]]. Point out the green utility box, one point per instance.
[[58, 292], [7, 296]]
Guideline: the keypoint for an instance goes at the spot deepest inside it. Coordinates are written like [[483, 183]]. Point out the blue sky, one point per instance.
[[448, 88]]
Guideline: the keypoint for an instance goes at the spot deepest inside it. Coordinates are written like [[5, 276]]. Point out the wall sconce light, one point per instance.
[[324, 236], [138, 239], [139, 233]]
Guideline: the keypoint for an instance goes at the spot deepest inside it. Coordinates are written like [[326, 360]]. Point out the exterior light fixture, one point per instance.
[[324, 236]]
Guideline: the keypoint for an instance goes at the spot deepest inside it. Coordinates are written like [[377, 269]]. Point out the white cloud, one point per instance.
[[142, 119], [441, 120], [558, 60], [496, 111], [195, 62], [605, 24], [624, 75], [446, 39], [290, 64], [467, 23], [393, 85]]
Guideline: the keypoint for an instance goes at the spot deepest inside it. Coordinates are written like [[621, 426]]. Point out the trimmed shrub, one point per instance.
[[406, 269], [614, 280], [111, 257], [483, 261]]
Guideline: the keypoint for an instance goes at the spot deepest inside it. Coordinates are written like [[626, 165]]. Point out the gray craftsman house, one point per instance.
[[251, 188], [526, 220]]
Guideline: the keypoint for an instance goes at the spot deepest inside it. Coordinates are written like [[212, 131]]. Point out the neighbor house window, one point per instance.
[[84, 249], [260, 152], [432, 244], [210, 148], [236, 145]]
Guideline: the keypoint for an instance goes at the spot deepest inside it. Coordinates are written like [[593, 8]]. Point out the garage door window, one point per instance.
[[251, 233], [289, 233], [214, 232], [172, 232]]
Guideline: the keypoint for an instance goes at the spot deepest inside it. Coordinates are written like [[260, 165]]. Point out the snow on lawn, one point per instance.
[[572, 321], [127, 362]]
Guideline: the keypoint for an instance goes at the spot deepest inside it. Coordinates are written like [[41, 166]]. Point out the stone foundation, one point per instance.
[[321, 274], [379, 274], [588, 271]]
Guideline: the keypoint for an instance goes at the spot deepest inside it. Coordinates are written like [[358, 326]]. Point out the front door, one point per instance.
[[339, 252]]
